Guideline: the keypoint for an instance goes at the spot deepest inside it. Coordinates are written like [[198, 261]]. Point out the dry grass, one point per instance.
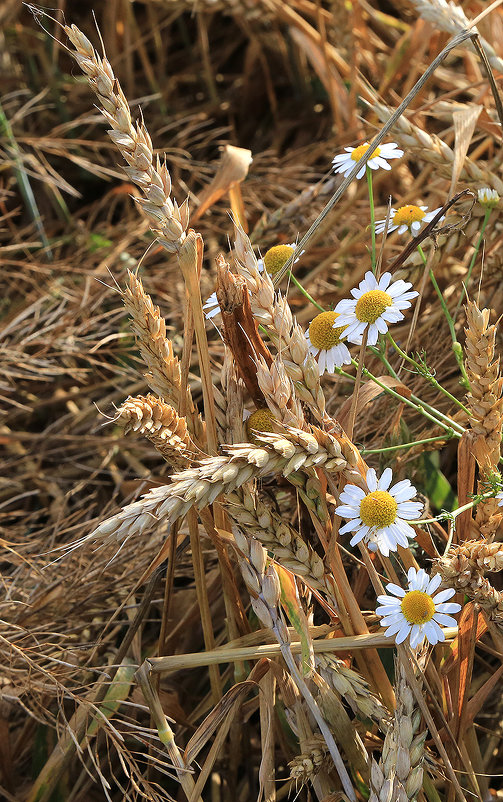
[[174, 596]]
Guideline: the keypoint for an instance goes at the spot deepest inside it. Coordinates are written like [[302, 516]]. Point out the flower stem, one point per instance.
[[304, 291], [454, 514], [447, 436], [372, 219], [473, 260], [428, 376], [451, 424], [456, 347], [415, 404]]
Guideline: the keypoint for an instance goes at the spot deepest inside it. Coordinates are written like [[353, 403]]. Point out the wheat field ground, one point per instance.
[[248, 553]]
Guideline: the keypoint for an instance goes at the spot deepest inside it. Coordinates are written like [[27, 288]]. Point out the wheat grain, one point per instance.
[[158, 421], [168, 220], [201, 485]]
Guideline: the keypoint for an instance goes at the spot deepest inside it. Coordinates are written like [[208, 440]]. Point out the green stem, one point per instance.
[[418, 407], [447, 436], [456, 348], [304, 291], [372, 218], [451, 424], [431, 379], [454, 514], [473, 260]]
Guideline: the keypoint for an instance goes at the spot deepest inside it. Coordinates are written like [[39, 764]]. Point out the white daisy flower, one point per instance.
[[416, 613], [407, 218], [375, 305], [380, 516], [499, 496], [488, 197], [325, 340], [344, 162], [277, 256]]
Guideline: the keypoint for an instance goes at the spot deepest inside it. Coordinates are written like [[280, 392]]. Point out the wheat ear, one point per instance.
[[311, 761], [485, 401], [274, 313], [431, 148], [168, 220], [281, 539], [158, 421], [164, 372], [201, 486], [399, 773], [349, 684], [463, 568], [449, 17]]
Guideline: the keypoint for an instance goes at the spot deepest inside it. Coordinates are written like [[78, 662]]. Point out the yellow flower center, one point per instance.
[[321, 331], [406, 215], [378, 509], [418, 607], [361, 150], [259, 421], [371, 305], [276, 257]]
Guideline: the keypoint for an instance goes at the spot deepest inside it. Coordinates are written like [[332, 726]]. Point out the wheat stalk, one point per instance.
[[399, 774], [201, 486], [168, 220], [158, 421]]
